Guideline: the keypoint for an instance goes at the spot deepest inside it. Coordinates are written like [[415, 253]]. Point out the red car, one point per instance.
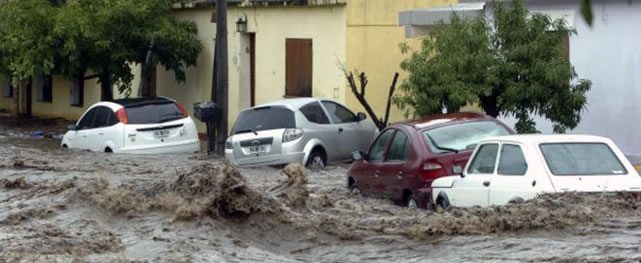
[[406, 157]]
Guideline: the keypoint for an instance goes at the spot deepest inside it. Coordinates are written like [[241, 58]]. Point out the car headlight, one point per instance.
[[292, 134], [228, 144]]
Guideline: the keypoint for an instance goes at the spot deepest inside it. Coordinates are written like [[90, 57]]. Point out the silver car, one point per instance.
[[306, 130]]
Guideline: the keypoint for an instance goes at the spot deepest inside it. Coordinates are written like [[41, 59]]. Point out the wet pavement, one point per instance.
[[60, 205]]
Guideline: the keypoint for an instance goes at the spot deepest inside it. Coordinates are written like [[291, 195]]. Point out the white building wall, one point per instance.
[[608, 54]]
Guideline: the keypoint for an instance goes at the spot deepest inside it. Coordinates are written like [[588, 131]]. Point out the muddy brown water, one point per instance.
[[73, 206]]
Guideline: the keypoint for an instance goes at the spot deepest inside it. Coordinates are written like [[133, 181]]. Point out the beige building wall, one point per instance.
[[373, 38], [5, 102], [325, 25], [60, 105]]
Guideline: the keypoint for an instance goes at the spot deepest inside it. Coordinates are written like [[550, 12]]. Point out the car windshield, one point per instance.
[[461, 136], [153, 113], [264, 118], [581, 159]]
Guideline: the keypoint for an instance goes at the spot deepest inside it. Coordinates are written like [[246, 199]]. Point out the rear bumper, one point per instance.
[[277, 159], [191, 146]]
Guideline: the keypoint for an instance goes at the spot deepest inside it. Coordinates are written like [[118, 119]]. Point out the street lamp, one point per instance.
[[241, 25]]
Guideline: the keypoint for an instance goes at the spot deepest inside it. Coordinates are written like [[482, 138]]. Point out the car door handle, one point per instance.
[[101, 133], [377, 173], [486, 183], [400, 175], [340, 130]]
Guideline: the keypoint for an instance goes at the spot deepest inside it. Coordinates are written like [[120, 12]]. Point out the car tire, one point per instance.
[[442, 201], [410, 202], [316, 161]]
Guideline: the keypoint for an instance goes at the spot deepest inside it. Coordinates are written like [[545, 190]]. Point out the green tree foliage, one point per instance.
[[26, 42], [101, 38], [512, 66], [105, 36], [26, 38]]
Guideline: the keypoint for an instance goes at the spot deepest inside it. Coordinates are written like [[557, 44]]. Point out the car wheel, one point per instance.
[[316, 161], [353, 189], [411, 202], [442, 201]]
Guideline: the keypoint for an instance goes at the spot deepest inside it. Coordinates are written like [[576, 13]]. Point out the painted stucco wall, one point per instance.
[[608, 54], [325, 25], [373, 38], [60, 105]]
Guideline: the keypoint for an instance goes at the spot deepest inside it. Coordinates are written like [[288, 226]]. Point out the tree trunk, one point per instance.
[[16, 101], [490, 106], [107, 90]]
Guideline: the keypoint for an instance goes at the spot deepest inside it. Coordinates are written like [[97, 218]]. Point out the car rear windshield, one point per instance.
[[461, 136], [264, 118], [581, 159], [153, 113]]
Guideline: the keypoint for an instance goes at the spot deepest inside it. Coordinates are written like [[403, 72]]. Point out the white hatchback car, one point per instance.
[[141, 126], [304, 130], [512, 169]]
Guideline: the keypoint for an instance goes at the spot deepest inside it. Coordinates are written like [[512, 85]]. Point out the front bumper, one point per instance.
[[276, 159]]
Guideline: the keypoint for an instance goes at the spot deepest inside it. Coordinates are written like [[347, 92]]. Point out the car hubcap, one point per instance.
[[412, 203], [317, 163]]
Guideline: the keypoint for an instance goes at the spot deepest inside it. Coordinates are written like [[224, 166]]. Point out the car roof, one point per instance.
[[441, 119], [293, 104], [548, 138]]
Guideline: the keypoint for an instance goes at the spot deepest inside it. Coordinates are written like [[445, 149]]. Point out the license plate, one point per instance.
[[258, 149], [161, 134]]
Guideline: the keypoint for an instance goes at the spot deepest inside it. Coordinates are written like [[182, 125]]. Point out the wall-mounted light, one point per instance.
[[241, 25]]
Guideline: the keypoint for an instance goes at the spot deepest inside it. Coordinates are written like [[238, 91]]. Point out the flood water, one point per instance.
[[62, 205]]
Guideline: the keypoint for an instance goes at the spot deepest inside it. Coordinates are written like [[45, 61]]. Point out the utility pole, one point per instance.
[[220, 83]]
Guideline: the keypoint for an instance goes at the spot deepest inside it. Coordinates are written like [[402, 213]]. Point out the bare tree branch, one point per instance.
[[389, 98]]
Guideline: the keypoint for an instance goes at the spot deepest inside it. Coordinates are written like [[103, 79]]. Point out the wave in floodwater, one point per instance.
[[61, 205]]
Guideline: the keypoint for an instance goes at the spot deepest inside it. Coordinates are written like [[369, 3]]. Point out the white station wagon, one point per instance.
[[512, 169], [141, 126]]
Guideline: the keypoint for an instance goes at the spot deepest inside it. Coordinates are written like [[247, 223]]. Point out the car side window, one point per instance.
[[87, 121], [112, 119], [484, 160], [512, 161], [101, 117], [338, 113], [400, 147], [314, 113], [377, 151]]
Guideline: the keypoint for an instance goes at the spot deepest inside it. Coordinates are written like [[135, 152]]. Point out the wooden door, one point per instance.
[[299, 68]]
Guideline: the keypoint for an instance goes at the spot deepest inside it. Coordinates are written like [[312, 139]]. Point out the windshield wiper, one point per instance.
[[440, 147], [170, 119], [246, 131]]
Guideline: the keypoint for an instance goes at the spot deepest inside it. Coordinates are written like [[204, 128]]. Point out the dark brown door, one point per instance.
[[298, 68], [252, 68]]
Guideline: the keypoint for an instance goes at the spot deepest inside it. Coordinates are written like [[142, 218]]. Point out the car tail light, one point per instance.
[[122, 115], [182, 109], [432, 171], [292, 134]]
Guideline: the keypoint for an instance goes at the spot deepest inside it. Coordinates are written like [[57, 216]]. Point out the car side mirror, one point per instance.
[[358, 155], [361, 116], [457, 170], [72, 127]]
